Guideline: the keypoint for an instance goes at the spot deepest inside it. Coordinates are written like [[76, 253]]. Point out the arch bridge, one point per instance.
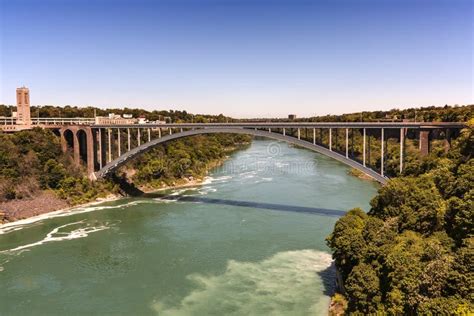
[[105, 148]]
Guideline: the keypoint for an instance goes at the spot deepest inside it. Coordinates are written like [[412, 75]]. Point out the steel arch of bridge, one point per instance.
[[113, 165]]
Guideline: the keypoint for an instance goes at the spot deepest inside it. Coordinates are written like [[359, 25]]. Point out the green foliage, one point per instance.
[[347, 240], [183, 158], [415, 203], [32, 160], [363, 287], [54, 173], [413, 253]]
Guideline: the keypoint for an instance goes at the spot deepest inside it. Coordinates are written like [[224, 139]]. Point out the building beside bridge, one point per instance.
[[21, 118], [114, 119]]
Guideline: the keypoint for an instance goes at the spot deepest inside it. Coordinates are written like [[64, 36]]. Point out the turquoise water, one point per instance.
[[249, 241]]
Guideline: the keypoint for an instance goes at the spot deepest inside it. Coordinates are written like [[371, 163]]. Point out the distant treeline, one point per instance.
[[89, 111], [446, 113]]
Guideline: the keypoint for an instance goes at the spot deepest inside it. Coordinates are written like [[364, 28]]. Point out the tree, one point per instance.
[[363, 287], [347, 240], [414, 202]]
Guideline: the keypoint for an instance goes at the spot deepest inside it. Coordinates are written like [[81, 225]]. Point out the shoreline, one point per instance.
[[51, 212], [110, 198], [56, 213], [38, 214]]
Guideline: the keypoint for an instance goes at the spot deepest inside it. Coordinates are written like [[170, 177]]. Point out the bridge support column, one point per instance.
[[119, 149], [447, 141], [330, 139], [63, 141], [368, 149], [149, 135], [284, 131], [90, 153], [299, 133], [347, 143], [77, 149], [363, 149], [139, 137], [402, 141], [159, 132], [100, 148], [314, 136], [382, 154], [171, 131], [103, 154], [128, 139], [424, 142], [352, 143], [269, 130], [109, 143]]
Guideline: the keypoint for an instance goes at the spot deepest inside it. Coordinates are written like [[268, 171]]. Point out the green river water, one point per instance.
[[249, 241]]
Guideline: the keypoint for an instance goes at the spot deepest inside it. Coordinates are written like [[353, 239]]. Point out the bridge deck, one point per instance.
[[414, 125]]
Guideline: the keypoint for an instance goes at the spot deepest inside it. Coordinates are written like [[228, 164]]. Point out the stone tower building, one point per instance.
[[23, 106]]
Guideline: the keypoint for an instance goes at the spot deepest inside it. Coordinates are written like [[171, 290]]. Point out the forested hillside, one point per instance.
[[31, 163], [185, 161], [413, 253]]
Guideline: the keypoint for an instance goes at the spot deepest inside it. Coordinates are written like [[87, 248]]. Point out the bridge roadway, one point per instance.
[[123, 159], [273, 130], [89, 142], [411, 125]]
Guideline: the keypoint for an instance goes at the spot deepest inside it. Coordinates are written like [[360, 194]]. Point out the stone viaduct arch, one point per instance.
[[80, 139]]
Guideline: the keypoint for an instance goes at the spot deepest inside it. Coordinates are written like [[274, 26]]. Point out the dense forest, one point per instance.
[[171, 116], [413, 253]]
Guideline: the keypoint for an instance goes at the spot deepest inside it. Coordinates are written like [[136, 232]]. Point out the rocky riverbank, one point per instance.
[[48, 201], [44, 202]]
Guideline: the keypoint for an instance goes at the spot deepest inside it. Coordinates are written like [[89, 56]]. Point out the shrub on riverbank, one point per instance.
[[413, 253]]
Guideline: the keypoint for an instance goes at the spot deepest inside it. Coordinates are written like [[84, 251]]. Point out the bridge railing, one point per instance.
[[62, 121], [7, 120]]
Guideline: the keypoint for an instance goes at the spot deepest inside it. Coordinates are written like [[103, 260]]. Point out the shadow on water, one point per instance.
[[267, 206], [328, 276]]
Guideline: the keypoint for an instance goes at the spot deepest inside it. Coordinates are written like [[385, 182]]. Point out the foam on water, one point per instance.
[[288, 283], [207, 180], [18, 225], [58, 235]]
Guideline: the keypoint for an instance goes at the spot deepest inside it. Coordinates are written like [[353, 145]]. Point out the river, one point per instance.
[[249, 241]]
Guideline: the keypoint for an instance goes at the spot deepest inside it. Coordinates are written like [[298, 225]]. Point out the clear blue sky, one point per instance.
[[239, 57]]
